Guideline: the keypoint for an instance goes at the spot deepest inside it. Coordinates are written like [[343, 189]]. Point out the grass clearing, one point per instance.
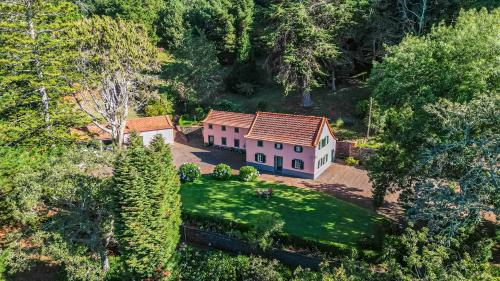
[[306, 213]]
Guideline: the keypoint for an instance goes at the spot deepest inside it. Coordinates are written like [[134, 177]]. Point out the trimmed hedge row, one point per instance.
[[221, 225]]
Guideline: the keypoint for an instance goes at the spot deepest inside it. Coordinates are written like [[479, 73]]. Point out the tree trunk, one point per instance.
[[44, 98], [334, 86], [369, 118], [104, 254], [306, 98]]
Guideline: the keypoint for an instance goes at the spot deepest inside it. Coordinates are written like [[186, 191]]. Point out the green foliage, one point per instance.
[[452, 63], [243, 79], [227, 23], [3, 263], [147, 208], [195, 73], [170, 24], [159, 106], [419, 255], [36, 72], [248, 173], [76, 235], [144, 12], [222, 172], [17, 204], [227, 105], [351, 161], [116, 60], [189, 172], [196, 265], [264, 230]]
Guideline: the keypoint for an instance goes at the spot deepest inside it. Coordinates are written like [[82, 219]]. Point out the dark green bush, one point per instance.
[[222, 172], [248, 173]]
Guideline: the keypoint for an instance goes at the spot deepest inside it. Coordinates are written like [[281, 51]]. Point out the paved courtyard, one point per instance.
[[349, 183]]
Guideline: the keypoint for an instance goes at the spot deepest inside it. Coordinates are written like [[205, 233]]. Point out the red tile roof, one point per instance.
[[287, 128], [233, 119], [142, 124]]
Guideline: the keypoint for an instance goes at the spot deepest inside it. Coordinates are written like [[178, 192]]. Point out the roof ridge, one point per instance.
[[292, 114]]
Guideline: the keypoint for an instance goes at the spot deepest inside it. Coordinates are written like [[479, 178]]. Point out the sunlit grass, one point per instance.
[[306, 213]]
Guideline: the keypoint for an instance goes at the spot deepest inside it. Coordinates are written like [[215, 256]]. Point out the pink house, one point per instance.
[[226, 129], [288, 144]]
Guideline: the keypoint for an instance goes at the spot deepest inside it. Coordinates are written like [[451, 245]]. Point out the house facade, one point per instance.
[[145, 127], [226, 129], [288, 144]]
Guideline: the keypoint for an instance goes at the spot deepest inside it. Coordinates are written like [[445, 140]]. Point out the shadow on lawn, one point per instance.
[[308, 214]]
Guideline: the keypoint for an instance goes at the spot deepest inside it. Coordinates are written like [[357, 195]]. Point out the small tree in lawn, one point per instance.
[[147, 207]]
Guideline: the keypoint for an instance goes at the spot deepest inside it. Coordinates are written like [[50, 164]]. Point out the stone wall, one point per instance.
[[349, 148]]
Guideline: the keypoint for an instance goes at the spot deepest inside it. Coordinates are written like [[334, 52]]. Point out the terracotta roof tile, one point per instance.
[[142, 124], [233, 119], [287, 128]]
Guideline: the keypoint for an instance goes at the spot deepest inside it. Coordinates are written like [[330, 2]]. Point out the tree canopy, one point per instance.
[[455, 63]]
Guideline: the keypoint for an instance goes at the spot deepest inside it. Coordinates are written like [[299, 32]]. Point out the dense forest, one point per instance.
[[421, 76]]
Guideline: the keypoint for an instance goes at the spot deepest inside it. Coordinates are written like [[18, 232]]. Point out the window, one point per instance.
[[223, 141], [236, 143], [210, 126], [323, 142], [236, 130], [298, 148], [278, 145], [298, 164], [260, 143], [259, 157], [223, 128], [323, 160]]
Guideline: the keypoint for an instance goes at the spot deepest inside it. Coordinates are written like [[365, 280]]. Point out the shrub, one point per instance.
[[248, 173], [189, 172], [266, 228], [351, 161], [222, 172]]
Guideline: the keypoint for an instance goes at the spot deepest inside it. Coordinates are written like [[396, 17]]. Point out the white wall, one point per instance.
[[147, 137], [320, 153]]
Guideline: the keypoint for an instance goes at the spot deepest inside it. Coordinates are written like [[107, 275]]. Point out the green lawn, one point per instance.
[[306, 213]]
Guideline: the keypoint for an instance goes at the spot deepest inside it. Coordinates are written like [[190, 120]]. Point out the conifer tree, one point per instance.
[[147, 207], [35, 71]]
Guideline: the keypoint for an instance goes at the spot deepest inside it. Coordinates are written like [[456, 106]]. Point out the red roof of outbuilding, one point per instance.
[[142, 124], [287, 128], [226, 118]]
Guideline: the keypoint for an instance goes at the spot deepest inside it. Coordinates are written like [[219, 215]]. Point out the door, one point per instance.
[[278, 164], [210, 140]]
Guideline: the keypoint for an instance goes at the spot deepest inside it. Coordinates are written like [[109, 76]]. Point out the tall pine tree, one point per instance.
[[147, 207], [35, 71]]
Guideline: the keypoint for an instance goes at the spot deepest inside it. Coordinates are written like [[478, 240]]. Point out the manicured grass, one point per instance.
[[306, 213]]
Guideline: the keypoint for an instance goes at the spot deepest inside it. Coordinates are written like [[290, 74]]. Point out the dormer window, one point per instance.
[[278, 146]]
